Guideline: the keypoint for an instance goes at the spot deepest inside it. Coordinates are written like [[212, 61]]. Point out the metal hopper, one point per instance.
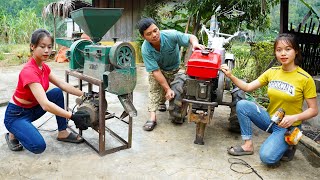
[[95, 22]]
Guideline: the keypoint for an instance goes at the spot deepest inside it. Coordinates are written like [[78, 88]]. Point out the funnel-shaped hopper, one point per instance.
[[95, 22]]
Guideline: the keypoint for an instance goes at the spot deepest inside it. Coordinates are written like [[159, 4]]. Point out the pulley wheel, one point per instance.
[[228, 81], [220, 88], [122, 55], [77, 54]]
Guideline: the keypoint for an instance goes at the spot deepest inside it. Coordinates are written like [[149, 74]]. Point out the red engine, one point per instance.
[[204, 64]]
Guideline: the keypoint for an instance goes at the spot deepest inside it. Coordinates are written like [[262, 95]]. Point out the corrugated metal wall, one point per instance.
[[125, 28]]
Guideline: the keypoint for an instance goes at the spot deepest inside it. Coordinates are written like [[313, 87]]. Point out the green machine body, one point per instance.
[[114, 65]]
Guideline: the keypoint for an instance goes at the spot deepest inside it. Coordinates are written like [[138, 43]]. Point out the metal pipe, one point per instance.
[[214, 104]]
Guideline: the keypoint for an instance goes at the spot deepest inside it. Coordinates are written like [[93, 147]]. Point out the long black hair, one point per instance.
[[291, 40]]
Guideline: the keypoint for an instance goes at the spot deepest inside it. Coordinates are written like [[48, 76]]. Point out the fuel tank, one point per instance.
[[204, 64]]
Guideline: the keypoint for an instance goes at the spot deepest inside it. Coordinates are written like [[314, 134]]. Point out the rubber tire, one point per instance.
[[176, 114], [237, 95]]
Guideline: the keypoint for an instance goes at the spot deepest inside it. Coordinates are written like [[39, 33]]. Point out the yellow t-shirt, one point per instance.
[[288, 90]]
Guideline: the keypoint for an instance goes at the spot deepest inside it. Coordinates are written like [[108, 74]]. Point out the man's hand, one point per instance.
[[198, 46], [169, 94], [195, 43]]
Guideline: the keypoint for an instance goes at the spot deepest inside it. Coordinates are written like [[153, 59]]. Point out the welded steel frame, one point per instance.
[[126, 144], [201, 120]]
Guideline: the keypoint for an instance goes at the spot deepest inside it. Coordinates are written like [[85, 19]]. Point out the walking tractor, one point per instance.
[[201, 88], [110, 68]]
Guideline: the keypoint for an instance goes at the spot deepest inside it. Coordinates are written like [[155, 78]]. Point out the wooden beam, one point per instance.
[[284, 16], [304, 38]]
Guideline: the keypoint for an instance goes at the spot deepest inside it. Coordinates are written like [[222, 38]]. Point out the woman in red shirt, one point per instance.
[[31, 100]]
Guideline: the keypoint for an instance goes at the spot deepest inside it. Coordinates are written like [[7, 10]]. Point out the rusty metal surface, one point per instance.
[[201, 118], [102, 128], [200, 133]]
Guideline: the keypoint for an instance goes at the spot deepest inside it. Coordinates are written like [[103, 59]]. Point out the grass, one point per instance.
[[13, 54]]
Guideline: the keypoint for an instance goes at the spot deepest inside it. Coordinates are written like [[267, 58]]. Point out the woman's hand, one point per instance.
[[225, 69], [287, 121]]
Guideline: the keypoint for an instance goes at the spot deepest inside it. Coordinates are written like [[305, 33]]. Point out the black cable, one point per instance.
[[47, 130], [82, 101], [45, 123], [73, 108], [51, 117], [235, 161]]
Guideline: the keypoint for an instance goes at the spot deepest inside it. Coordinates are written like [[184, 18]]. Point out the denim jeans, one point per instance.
[[274, 146], [19, 120]]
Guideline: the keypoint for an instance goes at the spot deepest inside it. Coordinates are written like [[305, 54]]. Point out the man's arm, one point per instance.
[[157, 74]]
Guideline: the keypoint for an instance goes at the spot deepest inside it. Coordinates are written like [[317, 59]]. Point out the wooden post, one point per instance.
[[284, 10], [185, 31], [54, 31]]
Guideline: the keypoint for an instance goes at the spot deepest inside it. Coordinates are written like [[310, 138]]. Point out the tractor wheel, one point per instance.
[[237, 95], [176, 107]]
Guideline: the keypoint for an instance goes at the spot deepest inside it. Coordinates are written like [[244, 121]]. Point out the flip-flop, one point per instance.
[[149, 125], [72, 138], [162, 107], [238, 151], [13, 144]]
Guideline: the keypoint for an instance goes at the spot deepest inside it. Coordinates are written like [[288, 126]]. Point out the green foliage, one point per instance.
[[243, 60], [255, 17], [14, 54], [19, 18], [263, 54], [1, 56], [18, 29], [250, 63], [173, 16], [5, 48], [13, 7], [297, 11], [168, 15]]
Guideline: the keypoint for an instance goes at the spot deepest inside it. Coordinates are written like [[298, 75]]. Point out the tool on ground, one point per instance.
[[277, 117], [293, 136]]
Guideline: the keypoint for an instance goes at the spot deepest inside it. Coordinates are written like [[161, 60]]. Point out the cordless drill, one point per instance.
[[292, 136], [277, 117]]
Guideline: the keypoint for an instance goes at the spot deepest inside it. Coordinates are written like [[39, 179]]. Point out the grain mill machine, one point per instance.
[[111, 68]]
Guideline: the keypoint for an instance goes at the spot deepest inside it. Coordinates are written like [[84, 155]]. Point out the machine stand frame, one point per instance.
[[102, 116]]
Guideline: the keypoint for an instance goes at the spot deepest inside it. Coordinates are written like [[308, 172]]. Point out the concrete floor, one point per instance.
[[167, 152]]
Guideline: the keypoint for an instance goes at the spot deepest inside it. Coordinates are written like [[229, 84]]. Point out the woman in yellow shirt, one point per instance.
[[288, 86]]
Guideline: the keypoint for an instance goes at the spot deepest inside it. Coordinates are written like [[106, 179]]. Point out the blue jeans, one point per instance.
[[274, 146], [19, 120]]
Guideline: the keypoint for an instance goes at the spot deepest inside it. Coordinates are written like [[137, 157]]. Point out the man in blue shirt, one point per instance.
[[161, 56]]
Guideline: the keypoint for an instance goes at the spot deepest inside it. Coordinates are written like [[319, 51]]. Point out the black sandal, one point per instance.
[[72, 138], [162, 108], [149, 125], [13, 144], [238, 151]]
